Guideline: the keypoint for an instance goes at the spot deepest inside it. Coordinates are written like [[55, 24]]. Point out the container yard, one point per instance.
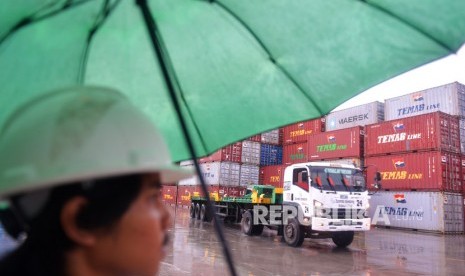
[[415, 142], [415, 151]]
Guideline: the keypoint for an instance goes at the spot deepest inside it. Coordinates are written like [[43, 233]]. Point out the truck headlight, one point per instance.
[[316, 203]]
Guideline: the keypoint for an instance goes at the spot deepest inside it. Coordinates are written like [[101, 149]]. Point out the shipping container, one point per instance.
[[430, 211], [462, 134], [273, 137], [433, 131], [366, 114], [250, 152], [272, 175], [186, 192], [184, 195], [230, 153], [249, 174], [357, 162], [216, 173], [295, 153], [343, 143], [255, 138], [433, 171], [448, 98], [271, 155], [299, 132], [169, 194]]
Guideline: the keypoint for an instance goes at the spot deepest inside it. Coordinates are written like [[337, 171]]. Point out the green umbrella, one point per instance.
[[241, 67], [229, 68]]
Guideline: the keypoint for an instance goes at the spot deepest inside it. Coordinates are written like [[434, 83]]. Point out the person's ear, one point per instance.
[[68, 219]]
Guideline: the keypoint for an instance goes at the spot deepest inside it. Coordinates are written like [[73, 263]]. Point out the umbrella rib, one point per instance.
[[270, 56], [400, 19], [30, 19], [99, 21]]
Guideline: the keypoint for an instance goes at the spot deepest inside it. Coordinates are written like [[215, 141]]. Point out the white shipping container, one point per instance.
[[430, 211], [214, 173], [370, 113], [250, 152], [271, 137], [448, 98], [249, 174]]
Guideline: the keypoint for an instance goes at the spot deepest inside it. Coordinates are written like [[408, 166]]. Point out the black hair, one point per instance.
[[42, 252]]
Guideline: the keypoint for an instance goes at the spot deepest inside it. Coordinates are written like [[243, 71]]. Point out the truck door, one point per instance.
[[300, 178]]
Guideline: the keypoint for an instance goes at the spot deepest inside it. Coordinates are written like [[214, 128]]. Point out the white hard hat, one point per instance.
[[80, 134]]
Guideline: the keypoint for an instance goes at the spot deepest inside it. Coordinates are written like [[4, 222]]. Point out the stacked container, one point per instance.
[[250, 152], [272, 175], [355, 116], [418, 153], [231, 153], [271, 155], [299, 132]]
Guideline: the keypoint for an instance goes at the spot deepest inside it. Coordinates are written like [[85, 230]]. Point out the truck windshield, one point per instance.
[[337, 179]]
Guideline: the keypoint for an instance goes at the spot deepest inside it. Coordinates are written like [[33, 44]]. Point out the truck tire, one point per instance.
[[205, 214], [197, 211], [343, 239], [192, 210], [293, 233], [247, 225]]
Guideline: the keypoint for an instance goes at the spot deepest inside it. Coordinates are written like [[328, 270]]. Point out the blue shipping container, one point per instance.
[[271, 155]]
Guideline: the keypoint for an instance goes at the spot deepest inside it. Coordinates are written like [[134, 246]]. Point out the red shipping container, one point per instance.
[[231, 153], [341, 143], [299, 132], [184, 195], [295, 153], [433, 131], [272, 175], [421, 171], [169, 194], [255, 138], [463, 176]]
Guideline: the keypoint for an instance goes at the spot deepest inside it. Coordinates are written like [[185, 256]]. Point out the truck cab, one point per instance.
[[330, 200]]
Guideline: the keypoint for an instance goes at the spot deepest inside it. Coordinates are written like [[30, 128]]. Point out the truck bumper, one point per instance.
[[325, 224]]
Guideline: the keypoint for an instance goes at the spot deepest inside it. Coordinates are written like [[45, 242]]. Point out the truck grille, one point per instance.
[[340, 213]]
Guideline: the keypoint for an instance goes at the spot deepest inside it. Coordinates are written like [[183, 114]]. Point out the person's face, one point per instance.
[[134, 246]]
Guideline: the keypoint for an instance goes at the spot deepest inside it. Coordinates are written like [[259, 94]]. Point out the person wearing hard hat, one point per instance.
[[80, 177]]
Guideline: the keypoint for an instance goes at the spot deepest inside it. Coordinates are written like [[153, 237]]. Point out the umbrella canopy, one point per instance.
[[241, 67]]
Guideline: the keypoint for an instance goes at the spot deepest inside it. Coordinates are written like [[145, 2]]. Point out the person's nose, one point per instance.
[[167, 218]]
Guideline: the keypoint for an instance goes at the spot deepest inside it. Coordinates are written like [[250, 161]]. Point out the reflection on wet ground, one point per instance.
[[195, 251]]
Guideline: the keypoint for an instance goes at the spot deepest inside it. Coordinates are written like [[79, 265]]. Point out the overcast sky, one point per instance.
[[446, 70]]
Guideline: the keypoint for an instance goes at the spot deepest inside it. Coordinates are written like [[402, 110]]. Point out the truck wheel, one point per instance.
[[343, 239], [247, 225], [205, 214], [293, 233], [197, 211], [192, 210]]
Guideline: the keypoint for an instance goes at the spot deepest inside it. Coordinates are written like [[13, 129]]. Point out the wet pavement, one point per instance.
[[196, 251]]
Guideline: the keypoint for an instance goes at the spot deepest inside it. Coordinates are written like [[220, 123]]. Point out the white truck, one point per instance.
[[318, 200]]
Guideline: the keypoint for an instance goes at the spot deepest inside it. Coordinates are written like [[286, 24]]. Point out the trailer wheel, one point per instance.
[[197, 211], [343, 239], [205, 214], [247, 225], [192, 210], [293, 233]]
